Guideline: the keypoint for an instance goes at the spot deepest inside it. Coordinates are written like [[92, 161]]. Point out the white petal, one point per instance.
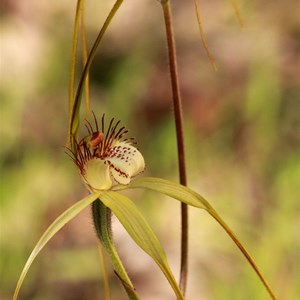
[[96, 174], [125, 162]]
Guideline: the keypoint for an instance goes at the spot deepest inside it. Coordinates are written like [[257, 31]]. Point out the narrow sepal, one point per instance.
[[63, 219], [188, 196], [140, 231]]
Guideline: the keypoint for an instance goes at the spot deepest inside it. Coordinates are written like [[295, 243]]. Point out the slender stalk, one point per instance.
[[180, 139], [102, 222]]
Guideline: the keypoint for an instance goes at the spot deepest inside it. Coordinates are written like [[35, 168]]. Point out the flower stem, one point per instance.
[[102, 222], [180, 138]]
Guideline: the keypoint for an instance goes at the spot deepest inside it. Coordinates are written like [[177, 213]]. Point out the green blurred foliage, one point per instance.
[[242, 144]]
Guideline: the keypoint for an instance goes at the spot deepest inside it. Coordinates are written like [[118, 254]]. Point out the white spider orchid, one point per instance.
[[105, 158]]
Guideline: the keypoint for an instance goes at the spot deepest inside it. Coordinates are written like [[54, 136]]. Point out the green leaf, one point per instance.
[[138, 228], [64, 218], [192, 198]]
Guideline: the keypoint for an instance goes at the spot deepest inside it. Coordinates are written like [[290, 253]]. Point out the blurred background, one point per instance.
[[241, 134]]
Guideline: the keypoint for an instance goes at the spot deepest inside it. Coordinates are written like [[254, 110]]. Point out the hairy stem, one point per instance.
[[102, 222], [180, 139]]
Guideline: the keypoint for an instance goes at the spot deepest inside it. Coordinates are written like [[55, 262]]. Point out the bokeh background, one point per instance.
[[241, 132]]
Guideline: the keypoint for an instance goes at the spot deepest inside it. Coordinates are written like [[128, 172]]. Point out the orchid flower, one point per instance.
[[105, 159], [107, 163]]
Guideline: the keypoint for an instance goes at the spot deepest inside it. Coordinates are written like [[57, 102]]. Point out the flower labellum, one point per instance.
[[107, 158]]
